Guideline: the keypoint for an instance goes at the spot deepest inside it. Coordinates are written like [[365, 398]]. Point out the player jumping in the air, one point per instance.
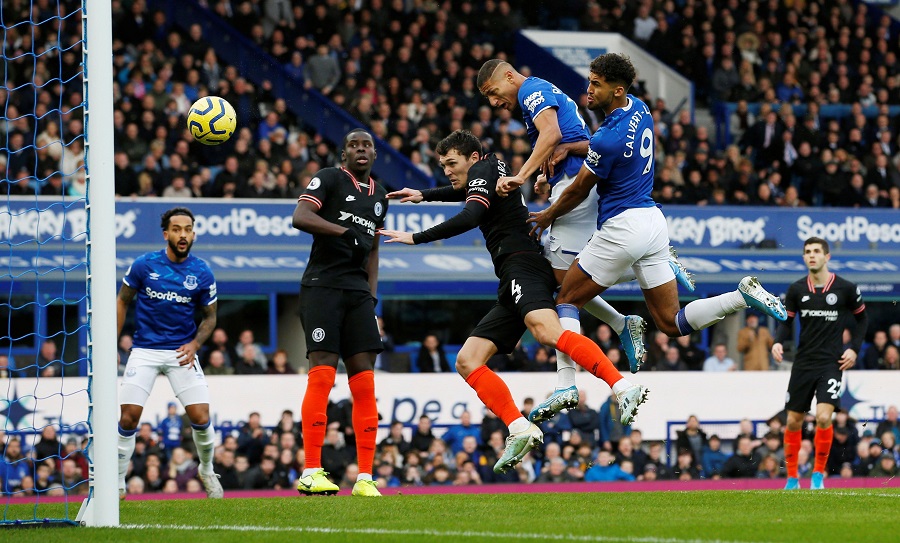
[[559, 138], [170, 285], [631, 231], [823, 302], [525, 293]]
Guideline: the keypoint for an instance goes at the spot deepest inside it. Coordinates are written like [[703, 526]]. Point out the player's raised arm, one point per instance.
[[548, 138], [574, 194]]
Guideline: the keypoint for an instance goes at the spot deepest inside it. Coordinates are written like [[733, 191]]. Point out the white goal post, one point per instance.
[[101, 507]]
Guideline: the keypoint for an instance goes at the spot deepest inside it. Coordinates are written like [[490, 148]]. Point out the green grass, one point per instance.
[[650, 517]]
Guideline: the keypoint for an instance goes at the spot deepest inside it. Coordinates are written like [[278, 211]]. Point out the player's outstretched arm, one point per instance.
[[406, 195], [396, 236], [187, 353], [570, 198]]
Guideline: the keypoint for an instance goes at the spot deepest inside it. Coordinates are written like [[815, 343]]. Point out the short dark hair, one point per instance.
[[463, 141], [167, 216], [614, 68], [355, 131], [813, 240], [487, 71]]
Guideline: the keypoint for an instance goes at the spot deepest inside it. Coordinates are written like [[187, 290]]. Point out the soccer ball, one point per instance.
[[211, 120]]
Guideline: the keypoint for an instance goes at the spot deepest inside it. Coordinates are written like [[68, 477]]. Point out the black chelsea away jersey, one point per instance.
[[343, 200], [502, 220], [823, 314]]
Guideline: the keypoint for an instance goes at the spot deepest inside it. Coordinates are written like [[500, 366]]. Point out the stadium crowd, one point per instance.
[[584, 444], [814, 86]]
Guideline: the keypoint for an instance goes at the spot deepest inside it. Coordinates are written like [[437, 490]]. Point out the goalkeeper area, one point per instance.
[[651, 517]]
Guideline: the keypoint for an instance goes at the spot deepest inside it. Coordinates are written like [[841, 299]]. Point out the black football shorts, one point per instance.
[[339, 321], [825, 383], [527, 283]]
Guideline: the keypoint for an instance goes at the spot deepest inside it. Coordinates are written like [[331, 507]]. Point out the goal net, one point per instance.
[[57, 273]]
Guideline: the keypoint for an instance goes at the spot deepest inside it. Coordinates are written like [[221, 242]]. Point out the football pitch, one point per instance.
[[650, 517]]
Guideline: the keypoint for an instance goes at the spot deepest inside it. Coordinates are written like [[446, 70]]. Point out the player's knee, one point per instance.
[[823, 421], [466, 364], [128, 421], [202, 420]]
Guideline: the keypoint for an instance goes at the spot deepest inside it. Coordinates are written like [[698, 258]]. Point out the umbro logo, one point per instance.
[[351, 198], [154, 276], [804, 299], [318, 423]]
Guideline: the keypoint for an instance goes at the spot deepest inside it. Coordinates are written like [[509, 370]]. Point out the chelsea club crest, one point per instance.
[[190, 282]]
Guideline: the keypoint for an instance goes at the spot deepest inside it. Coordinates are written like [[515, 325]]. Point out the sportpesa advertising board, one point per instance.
[[241, 238]]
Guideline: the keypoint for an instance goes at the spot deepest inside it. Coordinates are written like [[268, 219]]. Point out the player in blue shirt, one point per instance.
[[559, 138], [631, 230], [170, 285]]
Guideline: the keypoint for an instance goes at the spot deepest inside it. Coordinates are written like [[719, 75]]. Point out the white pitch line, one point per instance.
[[429, 533]]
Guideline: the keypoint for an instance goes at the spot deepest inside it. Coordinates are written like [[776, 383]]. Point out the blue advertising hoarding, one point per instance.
[[252, 247]]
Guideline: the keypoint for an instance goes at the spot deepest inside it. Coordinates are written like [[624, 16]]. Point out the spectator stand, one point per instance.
[[722, 112], [727, 430], [325, 117]]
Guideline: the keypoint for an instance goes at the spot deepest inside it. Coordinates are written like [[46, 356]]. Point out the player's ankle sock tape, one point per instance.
[[683, 325], [494, 394], [126, 433], [567, 311], [589, 356], [365, 418]]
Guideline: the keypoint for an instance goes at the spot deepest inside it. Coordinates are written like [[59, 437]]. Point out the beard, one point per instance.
[[178, 252]]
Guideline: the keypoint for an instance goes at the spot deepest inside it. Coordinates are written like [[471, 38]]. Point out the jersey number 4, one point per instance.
[[516, 291]]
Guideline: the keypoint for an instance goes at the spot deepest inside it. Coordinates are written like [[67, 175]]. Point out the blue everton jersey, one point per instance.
[[536, 95], [168, 294], [621, 155]]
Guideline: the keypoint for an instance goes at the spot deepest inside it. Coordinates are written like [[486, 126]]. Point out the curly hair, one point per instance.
[[614, 68], [173, 212]]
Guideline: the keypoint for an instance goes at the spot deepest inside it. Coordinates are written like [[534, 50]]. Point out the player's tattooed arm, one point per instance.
[[187, 353], [123, 300]]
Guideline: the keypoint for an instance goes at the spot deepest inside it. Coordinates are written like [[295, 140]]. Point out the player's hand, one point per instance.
[[187, 354], [406, 195], [358, 249], [541, 185], [848, 360], [778, 352], [540, 222], [559, 154], [396, 236], [505, 185]]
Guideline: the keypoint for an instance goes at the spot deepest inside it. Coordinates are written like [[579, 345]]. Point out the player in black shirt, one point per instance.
[[823, 301], [525, 293], [342, 208]]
